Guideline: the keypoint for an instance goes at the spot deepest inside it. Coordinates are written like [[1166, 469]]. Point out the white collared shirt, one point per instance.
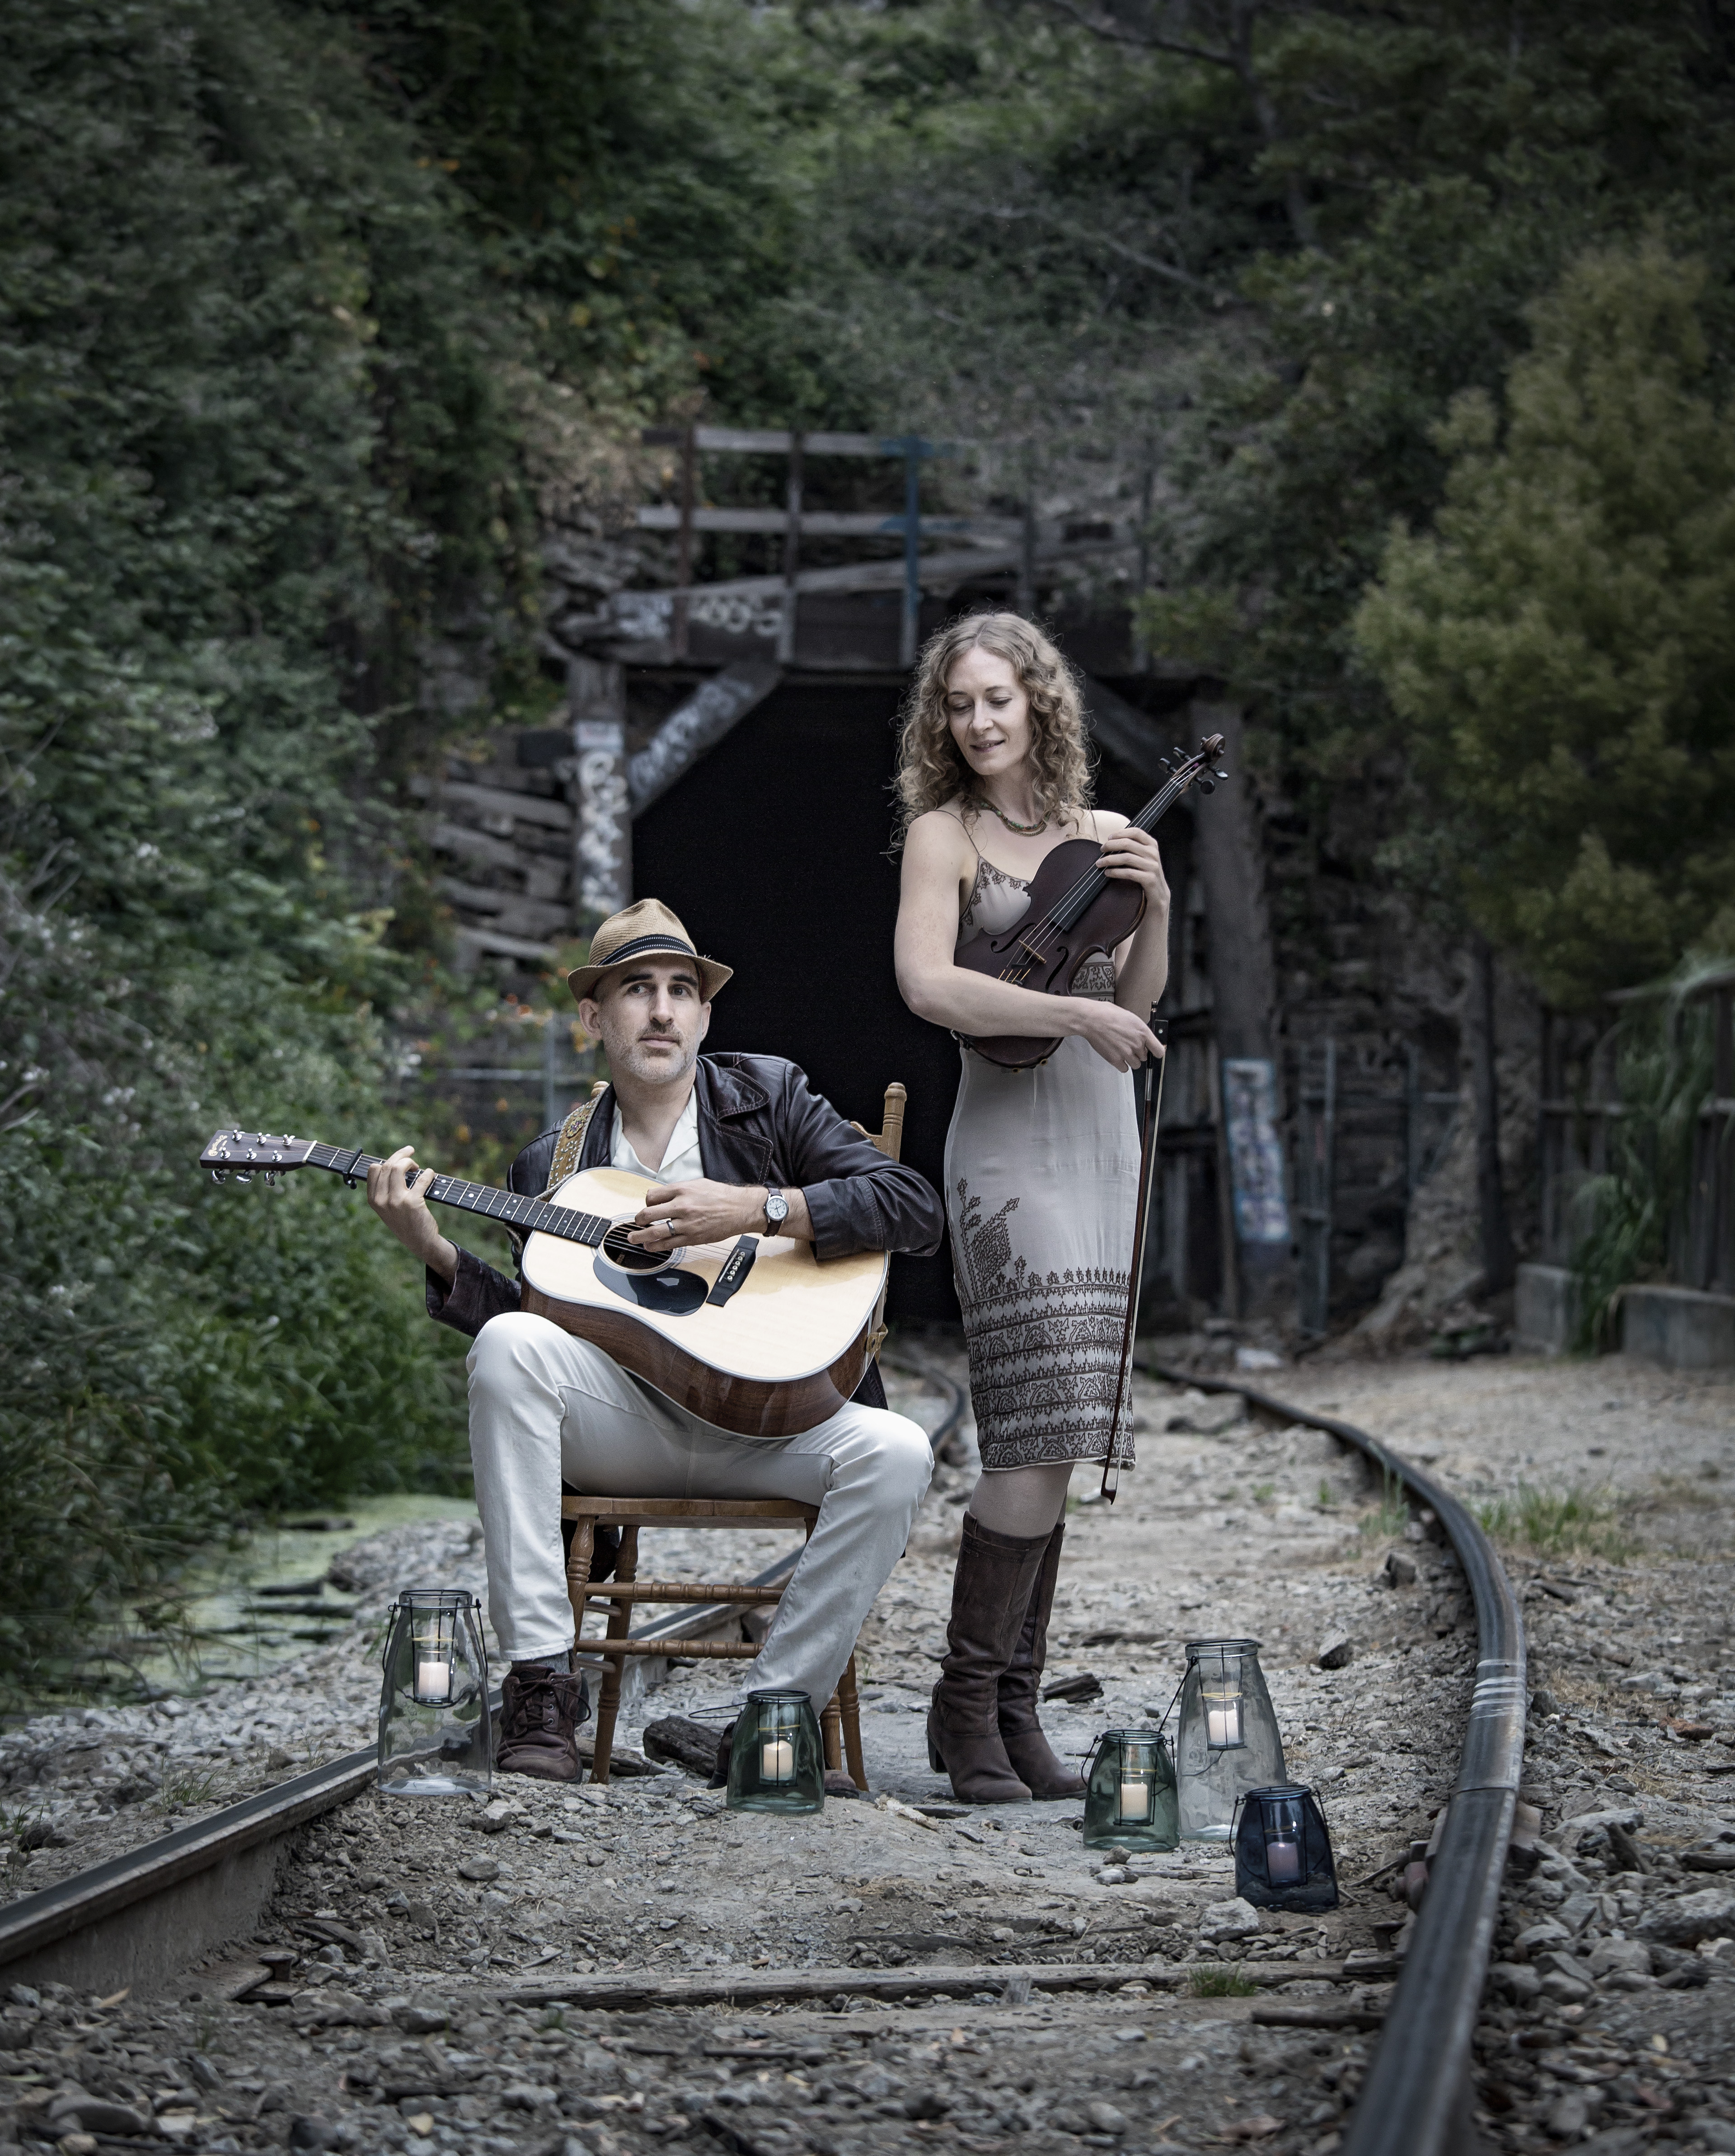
[[681, 1159]]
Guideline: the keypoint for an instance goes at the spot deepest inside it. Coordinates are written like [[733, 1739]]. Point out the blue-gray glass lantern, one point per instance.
[[1130, 1792], [1283, 1853], [776, 1761], [435, 1734], [1227, 1741]]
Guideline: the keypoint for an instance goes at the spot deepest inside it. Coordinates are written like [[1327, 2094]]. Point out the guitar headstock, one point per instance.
[[244, 1154]]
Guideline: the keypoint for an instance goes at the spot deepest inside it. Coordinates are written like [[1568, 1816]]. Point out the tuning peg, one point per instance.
[[243, 1175], [219, 1175], [1207, 786], [1222, 774]]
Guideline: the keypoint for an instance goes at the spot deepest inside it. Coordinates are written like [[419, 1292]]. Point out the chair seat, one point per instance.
[[840, 1720]]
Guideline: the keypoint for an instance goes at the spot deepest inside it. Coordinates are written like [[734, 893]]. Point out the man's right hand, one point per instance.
[[403, 1207]]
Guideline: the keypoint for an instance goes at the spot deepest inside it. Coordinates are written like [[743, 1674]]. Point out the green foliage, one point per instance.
[[1221, 1984], [251, 456], [1573, 1524], [1664, 1066], [1560, 647]]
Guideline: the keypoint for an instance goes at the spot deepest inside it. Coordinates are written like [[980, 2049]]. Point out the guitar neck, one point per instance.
[[510, 1207]]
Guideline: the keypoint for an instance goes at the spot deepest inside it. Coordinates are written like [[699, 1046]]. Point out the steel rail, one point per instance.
[[1414, 2100], [200, 1861]]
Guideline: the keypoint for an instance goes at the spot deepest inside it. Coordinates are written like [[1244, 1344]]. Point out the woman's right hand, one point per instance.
[[1118, 1036]]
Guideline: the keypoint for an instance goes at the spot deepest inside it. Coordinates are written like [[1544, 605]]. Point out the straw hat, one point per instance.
[[646, 929]]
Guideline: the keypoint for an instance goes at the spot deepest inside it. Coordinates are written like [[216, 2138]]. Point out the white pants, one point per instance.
[[545, 1407]]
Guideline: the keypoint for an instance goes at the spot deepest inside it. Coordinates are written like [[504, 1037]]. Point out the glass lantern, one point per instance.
[[1283, 1854], [1227, 1741], [1130, 1792], [776, 1761], [436, 1736]]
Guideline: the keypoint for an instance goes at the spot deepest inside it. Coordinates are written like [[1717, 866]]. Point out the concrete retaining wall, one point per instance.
[[1679, 1327], [1545, 1309]]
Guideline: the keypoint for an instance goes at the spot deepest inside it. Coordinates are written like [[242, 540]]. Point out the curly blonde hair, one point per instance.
[[931, 772]]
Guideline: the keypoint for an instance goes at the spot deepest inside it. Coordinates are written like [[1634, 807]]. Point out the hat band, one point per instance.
[[642, 943]]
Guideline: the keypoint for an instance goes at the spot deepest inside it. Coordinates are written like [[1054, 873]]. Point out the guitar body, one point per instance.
[[1051, 970], [781, 1356]]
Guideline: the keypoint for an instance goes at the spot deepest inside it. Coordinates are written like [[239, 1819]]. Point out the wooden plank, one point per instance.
[[816, 523], [512, 912], [758, 1987], [490, 942], [472, 845], [495, 801], [713, 710], [772, 441]]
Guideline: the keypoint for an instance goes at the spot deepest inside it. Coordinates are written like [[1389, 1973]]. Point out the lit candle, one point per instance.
[[777, 1760], [1223, 1726], [433, 1682], [1283, 1860], [1135, 1801]]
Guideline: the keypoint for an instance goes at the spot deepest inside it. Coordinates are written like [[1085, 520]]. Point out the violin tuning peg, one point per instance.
[[1222, 774], [1208, 786]]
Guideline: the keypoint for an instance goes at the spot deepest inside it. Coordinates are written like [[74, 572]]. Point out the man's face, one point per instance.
[[650, 1019]]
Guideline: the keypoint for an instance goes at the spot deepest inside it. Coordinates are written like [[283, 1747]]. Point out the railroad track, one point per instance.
[[140, 1917], [1415, 2099]]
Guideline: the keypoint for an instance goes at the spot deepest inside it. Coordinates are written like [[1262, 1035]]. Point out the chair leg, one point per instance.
[[850, 1713], [579, 1558], [620, 1616], [830, 1723]]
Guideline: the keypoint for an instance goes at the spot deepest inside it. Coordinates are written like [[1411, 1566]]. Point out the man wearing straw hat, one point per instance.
[[732, 1145]]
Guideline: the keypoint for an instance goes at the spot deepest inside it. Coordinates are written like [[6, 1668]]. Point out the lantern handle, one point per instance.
[[1170, 1708]]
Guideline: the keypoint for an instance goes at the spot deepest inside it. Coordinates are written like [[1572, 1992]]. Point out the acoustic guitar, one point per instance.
[[754, 1336]]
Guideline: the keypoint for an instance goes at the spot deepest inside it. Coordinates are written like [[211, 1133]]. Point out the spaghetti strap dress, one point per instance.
[[1041, 1188]]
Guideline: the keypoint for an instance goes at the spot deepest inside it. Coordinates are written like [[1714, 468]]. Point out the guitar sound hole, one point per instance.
[[631, 1257]]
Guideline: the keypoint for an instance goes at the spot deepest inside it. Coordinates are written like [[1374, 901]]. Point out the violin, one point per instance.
[[1075, 913]]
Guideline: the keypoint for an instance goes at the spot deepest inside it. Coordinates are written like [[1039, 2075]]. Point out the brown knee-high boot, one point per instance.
[[990, 1598], [1027, 1748]]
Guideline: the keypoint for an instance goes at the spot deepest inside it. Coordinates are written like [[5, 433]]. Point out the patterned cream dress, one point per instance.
[[1041, 1188]]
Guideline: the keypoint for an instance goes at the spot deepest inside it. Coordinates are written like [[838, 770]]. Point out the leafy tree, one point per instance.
[[1559, 649]]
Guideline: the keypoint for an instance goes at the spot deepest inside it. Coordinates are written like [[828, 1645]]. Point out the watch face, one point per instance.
[[776, 1207]]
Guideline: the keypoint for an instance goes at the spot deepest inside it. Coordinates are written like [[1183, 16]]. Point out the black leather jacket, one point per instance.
[[759, 1121]]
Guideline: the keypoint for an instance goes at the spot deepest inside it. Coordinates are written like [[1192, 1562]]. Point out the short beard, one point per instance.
[[628, 1058]]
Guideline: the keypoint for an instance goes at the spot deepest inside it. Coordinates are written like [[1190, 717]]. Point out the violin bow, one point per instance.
[[1140, 1232]]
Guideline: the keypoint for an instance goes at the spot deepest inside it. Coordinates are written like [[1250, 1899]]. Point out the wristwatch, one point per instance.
[[777, 1211]]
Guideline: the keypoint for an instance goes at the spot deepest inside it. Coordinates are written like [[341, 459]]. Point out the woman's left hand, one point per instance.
[[1130, 855]]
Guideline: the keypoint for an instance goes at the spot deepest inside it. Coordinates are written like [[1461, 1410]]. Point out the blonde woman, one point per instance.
[[1041, 1165]]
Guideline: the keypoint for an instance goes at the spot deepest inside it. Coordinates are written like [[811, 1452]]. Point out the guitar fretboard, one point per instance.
[[510, 1206]]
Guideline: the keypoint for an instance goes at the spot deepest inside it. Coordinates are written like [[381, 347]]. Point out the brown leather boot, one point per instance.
[[1026, 1747], [990, 1595], [540, 1710]]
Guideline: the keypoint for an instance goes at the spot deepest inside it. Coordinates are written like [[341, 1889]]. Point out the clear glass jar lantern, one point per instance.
[[776, 1761], [1130, 1792], [1227, 1741], [1283, 1853], [436, 1736]]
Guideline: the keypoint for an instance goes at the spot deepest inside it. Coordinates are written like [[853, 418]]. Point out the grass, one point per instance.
[[185, 1789], [1328, 1498], [1221, 1984], [1263, 1492], [1390, 1516], [1572, 1523]]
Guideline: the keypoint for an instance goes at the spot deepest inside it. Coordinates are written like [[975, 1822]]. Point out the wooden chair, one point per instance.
[[840, 1723]]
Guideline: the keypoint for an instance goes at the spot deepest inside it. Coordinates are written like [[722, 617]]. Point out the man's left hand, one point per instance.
[[680, 1215]]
